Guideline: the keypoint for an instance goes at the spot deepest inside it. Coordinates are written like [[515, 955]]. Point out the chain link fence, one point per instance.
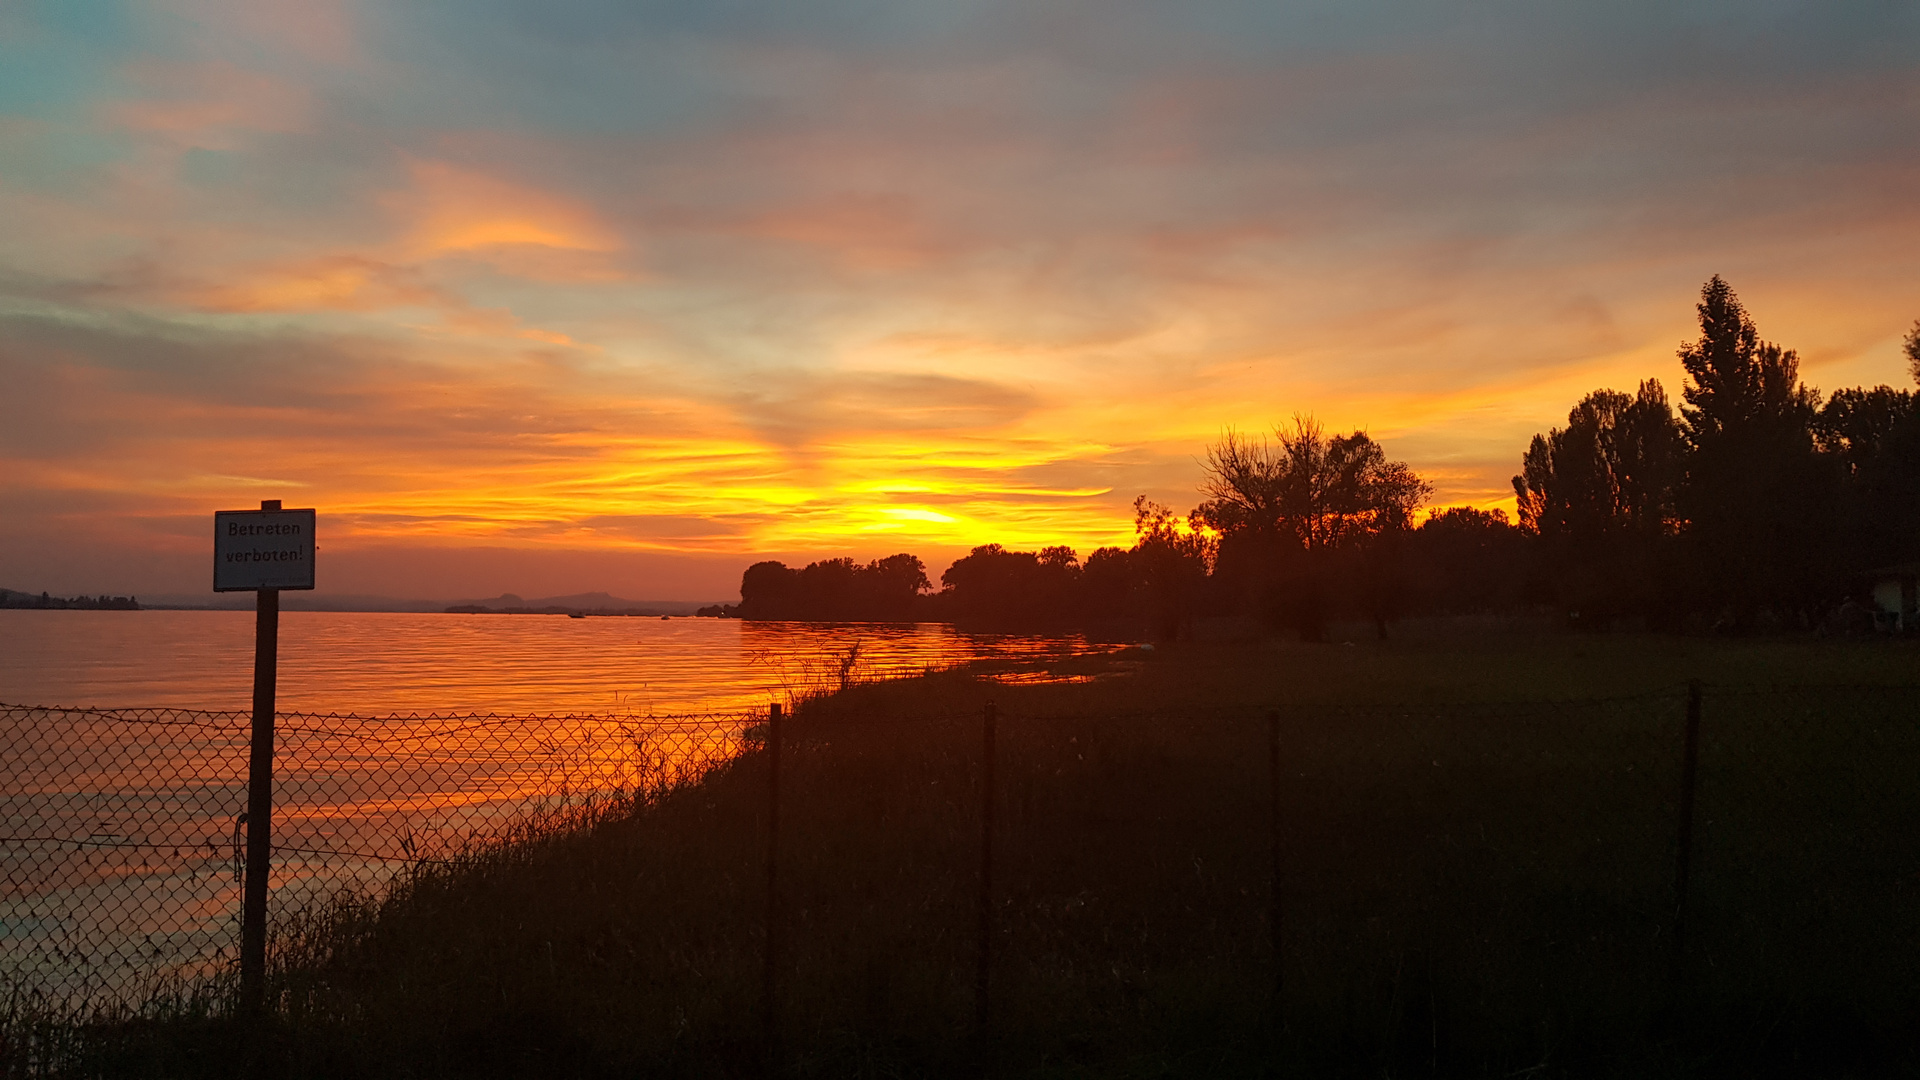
[[1406, 885], [124, 830], [1400, 885], [1807, 853]]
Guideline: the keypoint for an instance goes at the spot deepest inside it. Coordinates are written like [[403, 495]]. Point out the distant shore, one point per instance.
[[14, 599], [507, 603], [646, 612]]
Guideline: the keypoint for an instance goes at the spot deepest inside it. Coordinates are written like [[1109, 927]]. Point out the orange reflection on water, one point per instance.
[[401, 737], [378, 663]]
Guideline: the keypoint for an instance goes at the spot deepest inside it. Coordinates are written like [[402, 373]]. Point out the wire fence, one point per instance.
[[1537, 873], [1424, 867], [123, 839]]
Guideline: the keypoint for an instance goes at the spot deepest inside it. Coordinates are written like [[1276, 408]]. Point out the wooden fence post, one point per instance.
[[1689, 780], [983, 972], [770, 982], [253, 900], [1274, 908]]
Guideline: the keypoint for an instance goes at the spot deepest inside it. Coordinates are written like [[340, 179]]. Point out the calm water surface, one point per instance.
[[120, 836], [371, 663]]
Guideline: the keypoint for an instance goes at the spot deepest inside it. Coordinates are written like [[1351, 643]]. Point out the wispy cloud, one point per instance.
[[703, 281]]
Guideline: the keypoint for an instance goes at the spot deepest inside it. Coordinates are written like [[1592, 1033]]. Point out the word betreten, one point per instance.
[[277, 528]]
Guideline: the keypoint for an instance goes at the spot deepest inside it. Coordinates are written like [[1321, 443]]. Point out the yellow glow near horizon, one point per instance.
[[772, 290], [569, 502]]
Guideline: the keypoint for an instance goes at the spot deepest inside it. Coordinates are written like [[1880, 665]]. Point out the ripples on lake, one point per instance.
[[121, 831], [369, 662]]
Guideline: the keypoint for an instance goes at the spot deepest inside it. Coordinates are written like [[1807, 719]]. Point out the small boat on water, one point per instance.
[[575, 615]]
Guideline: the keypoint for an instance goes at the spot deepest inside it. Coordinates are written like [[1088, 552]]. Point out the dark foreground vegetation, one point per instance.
[[1477, 882], [1756, 505]]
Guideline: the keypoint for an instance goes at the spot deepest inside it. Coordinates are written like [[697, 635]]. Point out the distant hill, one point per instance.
[[595, 603], [291, 600]]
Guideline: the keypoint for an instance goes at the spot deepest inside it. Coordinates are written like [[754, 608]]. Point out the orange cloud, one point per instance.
[[899, 305], [352, 283], [455, 210], [328, 283]]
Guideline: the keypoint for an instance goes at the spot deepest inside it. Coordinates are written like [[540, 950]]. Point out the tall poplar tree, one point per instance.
[[1752, 496]]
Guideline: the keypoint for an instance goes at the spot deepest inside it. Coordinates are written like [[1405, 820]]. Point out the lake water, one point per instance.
[[377, 663], [401, 737]]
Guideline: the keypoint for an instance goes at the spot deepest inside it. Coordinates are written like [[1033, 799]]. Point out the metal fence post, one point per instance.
[[1274, 909], [253, 903], [984, 971], [769, 988], [1689, 779]]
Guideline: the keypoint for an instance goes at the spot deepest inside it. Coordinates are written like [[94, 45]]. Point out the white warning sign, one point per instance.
[[262, 549]]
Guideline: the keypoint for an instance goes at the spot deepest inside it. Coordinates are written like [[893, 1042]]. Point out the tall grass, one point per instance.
[[1477, 881]]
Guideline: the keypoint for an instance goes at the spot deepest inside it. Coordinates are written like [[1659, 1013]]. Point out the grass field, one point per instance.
[[1479, 841]]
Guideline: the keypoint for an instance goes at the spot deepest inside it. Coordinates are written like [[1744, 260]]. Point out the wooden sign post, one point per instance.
[[262, 551]]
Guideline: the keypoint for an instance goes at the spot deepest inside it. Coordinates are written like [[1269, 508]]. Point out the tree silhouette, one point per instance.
[[1752, 494], [1758, 506], [1169, 563], [1872, 439], [834, 590], [1601, 494], [1319, 491], [993, 585], [890, 587], [1284, 508], [1108, 583], [1470, 561], [1614, 469]]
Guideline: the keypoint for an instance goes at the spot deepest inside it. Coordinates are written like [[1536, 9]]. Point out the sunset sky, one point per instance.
[[563, 296]]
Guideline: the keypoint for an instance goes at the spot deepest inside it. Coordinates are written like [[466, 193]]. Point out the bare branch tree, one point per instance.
[[1321, 492]]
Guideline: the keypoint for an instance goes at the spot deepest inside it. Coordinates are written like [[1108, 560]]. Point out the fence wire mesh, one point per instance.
[[1510, 870], [1807, 847], [1454, 879], [122, 848]]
